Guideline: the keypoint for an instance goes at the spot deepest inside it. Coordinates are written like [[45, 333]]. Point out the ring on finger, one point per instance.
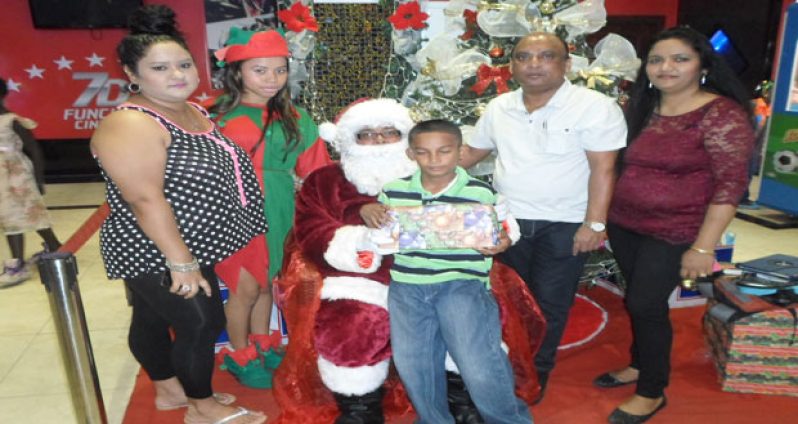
[[184, 288]]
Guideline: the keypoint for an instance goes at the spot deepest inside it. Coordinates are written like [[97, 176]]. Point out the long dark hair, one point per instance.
[[280, 105], [148, 25], [720, 79]]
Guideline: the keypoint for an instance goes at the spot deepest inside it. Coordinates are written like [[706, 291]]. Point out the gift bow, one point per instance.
[[492, 74], [594, 75]]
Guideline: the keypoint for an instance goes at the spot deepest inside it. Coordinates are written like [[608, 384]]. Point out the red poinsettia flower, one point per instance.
[[408, 15], [471, 25], [298, 17]]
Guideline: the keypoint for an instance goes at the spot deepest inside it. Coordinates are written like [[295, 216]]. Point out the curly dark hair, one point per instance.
[[720, 79], [148, 25]]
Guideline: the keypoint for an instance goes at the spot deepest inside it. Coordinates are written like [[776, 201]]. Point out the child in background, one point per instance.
[[256, 113], [439, 300], [21, 205]]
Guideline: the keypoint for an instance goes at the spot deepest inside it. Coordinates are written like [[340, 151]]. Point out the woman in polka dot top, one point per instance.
[[182, 198]]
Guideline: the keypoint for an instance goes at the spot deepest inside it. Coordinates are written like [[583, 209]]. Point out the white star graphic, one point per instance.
[[63, 63], [95, 60], [202, 97], [13, 85], [35, 72]]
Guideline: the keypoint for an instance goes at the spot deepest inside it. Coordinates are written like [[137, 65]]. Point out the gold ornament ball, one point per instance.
[[480, 109], [547, 8]]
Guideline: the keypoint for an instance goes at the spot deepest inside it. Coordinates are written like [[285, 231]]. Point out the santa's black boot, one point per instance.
[[365, 409], [460, 404]]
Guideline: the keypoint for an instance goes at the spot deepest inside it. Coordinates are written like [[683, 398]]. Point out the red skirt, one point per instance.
[[254, 257]]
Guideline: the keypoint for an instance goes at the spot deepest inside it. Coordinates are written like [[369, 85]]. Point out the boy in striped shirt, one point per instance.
[[439, 300]]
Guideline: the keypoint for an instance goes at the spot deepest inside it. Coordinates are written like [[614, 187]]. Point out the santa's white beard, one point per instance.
[[370, 167]]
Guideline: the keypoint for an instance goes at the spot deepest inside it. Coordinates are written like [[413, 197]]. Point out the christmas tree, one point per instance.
[[455, 74]]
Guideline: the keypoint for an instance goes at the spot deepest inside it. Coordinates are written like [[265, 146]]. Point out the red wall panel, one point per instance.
[[667, 8], [67, 79]]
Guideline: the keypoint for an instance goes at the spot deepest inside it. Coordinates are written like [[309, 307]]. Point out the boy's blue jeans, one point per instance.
[[462, 317]]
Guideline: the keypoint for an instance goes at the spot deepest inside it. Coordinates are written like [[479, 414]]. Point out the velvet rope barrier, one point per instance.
[[86, 230]]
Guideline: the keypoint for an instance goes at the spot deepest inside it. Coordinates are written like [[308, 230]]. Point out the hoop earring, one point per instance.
[[650, 85], [703, 79], [133, 88]]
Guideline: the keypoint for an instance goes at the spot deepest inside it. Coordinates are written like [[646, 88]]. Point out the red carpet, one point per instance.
[[694, 395]]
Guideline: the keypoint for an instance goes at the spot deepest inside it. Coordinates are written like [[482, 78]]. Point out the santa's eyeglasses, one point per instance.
[[385, 133]]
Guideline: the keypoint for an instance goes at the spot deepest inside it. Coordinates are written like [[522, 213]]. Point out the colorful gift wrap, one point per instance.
[[757, 353], [446, 226]]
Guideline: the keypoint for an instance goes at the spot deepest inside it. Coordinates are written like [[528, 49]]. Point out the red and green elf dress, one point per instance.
[[277, 167]]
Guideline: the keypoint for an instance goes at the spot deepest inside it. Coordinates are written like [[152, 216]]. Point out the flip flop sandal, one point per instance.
[[223, 398], [242, 412]]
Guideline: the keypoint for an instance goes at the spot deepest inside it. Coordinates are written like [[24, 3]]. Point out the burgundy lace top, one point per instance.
[[678, 166]]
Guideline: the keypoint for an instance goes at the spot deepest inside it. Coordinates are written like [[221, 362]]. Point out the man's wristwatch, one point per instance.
[[596, 226]]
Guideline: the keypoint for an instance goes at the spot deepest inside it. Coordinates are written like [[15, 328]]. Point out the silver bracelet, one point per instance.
[[189, 267]]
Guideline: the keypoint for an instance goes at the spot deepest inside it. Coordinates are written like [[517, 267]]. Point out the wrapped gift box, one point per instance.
[[447, 226], [753, 352]]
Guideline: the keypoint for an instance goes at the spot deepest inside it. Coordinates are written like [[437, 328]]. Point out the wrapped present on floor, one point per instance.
[[446, 226], [753, 342]]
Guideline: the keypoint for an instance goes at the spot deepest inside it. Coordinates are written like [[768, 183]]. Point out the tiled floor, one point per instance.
[[33, 385]]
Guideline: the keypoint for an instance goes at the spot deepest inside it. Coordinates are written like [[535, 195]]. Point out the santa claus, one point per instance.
[[334, 288]]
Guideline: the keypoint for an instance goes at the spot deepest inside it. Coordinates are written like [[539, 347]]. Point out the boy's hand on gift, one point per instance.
[[375, 215], [504, 244]]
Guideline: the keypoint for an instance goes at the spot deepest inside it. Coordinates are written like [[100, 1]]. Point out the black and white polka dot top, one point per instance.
[[214, 194]]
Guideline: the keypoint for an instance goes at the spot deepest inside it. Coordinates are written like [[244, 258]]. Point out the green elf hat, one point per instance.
[[244, 44]]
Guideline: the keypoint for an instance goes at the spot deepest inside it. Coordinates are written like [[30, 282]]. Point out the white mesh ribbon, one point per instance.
[[506, 19], [406, 41], [454, 22], [297, 74], [445, 63], [582, 18], [301, 44], [617, 56]]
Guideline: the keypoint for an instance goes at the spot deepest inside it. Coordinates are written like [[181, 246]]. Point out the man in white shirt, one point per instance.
[[556, 147]]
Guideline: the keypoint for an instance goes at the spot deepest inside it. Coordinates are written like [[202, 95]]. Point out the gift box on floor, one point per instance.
[[754, 352]]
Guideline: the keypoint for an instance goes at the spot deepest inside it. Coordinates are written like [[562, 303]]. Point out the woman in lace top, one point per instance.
[[682, 175]]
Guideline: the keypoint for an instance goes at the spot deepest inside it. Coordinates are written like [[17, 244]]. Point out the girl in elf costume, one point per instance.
[[282, 140]]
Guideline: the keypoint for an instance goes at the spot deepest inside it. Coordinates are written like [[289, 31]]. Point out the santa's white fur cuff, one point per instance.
[[352, 381], [342, 251], [355, 288]]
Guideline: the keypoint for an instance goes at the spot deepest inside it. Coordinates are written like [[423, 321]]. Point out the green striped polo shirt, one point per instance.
[[439, 266]]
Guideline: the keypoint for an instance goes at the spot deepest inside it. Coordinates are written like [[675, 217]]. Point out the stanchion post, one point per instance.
[[59, 274]]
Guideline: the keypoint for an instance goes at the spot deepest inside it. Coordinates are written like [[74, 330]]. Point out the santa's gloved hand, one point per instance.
[[500, 207], [382, 240]]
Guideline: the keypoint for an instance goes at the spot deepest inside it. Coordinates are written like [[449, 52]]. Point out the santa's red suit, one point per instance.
[[335, 298]]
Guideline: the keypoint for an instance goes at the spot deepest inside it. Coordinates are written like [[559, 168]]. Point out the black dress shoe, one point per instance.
[[621, 417], [608, 381]]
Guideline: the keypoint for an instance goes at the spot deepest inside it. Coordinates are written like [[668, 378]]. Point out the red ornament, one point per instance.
[[496, 52]]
